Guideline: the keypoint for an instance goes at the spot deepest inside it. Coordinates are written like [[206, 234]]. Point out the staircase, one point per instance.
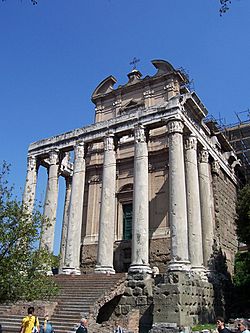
[[79, 294]]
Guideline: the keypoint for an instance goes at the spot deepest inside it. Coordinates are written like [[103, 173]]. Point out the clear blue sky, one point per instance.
[[53, 55]]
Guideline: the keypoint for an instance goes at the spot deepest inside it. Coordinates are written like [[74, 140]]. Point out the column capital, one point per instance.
[[203, 156], [53, 156], [109, 142], [215, 167], [175, 126], [139, 132], [31, 163], [191, 142], [79, 150]]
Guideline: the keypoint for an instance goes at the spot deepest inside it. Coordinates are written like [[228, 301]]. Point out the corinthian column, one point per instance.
[[107, 213], [140, 205], [68, 181], [48, 230], [73, 244], [30, 185], [193, 205], [206, 197], [177, 198]]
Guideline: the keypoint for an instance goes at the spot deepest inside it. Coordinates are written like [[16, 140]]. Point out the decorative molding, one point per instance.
[[148, 93]]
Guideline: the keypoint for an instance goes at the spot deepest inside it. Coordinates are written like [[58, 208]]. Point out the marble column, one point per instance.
[[177, 199], [193, 205], [206, 198], [50, 207], [107, 212], [73, 244], [68, 182], [30, 185], [140, 222]]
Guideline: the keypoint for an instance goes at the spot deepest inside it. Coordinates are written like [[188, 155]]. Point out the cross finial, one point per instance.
[[133, 62]]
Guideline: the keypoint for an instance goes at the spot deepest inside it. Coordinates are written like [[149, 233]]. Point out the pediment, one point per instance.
[[104, 87], [163, 67]]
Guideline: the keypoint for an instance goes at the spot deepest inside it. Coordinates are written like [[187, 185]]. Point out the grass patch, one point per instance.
[[201, 327]]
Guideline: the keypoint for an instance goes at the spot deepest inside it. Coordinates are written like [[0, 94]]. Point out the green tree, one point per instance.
[[242, 260], [243, 211], [23, 267]]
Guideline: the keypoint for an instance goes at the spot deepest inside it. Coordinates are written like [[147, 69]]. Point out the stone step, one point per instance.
[[77, 294]]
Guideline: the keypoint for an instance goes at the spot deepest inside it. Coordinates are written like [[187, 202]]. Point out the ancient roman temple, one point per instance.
[[149, 185]]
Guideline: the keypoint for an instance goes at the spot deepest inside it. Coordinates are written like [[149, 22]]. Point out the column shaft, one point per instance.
[[48, 230], [73, 243], [30, 185], [177, 198], [140, 241], [68, 181], [107, 212], [193, 204], [206, 197]]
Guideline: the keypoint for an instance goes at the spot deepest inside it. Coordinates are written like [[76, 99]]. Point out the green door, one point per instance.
[[127, 221]]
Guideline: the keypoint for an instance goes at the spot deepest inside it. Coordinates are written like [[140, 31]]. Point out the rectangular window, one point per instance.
[[127, 221]]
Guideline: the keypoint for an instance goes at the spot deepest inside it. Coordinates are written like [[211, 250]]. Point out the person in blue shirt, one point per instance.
[[46, 326]]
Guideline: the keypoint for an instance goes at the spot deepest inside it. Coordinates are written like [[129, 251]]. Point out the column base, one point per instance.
[[200, 271], [184, 266], [137, 268], [104, 269], [70, 271]]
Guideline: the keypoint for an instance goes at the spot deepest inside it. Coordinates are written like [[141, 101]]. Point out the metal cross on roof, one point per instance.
[[133, 62]]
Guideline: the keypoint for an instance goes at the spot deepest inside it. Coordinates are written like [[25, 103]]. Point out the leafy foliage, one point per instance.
[[23, 267], [224, 6], [243, 211], [242, 260]]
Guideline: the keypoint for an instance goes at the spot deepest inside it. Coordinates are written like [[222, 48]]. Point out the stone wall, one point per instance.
[[225, 195], [183, 299]]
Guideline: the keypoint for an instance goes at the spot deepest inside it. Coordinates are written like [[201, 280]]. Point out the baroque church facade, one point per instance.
[[148, 185]]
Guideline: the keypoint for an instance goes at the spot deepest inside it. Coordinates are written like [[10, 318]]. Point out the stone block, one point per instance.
[[128, 291], [125, 309], [137, 291], [141, 300]]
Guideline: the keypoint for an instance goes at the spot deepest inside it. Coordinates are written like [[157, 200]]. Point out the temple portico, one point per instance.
[[139, 189]]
